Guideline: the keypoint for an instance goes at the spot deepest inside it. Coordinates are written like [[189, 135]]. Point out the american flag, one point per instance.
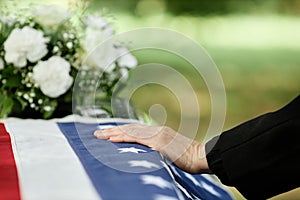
[[49, 160]]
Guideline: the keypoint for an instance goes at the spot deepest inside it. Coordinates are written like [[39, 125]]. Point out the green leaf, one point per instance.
[[68, 96], [6, 106], [7, 71], [107, 108], [14, 81], [2, 98]]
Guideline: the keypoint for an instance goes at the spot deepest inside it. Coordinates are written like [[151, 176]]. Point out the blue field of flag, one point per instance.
[[129, 171]]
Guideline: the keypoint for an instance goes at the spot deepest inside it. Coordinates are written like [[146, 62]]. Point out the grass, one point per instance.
[[260, 74], [254, 84], [257, 56]]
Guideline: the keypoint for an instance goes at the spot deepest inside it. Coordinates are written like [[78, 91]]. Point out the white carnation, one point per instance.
[[1, 63], [25, 43], [51, 15], [99, 53], [9, 20], [93, 37], [103, 57], [53, 76], [126, 59], [124, 74], [95, 22]]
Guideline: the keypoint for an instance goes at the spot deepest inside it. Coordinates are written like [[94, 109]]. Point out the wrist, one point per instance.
[[203, 164], [200, 164]]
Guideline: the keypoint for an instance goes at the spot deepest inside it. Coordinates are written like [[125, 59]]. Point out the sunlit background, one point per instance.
[[254, 43]]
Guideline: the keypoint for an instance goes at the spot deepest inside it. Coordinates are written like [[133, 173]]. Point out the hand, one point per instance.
[[187, 154]]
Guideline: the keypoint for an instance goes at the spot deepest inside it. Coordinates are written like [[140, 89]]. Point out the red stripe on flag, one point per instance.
[[9, 183]]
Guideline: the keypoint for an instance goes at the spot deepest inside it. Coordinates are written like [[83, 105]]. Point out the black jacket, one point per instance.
[[260, 157]]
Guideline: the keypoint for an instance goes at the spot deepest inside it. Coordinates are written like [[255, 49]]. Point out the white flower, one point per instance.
[[51, 15], [93, 37], [25, 43], [1, 63], [100, 51], [126, 59], [9, 20], [103, 56], [95, 22], [53, 76], [124, 74]]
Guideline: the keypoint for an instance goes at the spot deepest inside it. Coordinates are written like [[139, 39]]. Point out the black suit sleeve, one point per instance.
[[260, 157]]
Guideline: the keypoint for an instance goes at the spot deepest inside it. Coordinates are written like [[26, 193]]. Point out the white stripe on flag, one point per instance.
[[47, 166]]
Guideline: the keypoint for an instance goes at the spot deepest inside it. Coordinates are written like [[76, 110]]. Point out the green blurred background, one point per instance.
[[255, 45]]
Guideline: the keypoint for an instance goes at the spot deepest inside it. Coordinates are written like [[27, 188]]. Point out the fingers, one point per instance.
[[106, 134], [101, 135], [121, 138], [187, 154], [136, 133], [115, 134]]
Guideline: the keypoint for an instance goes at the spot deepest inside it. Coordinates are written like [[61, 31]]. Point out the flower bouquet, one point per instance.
[[42, 54]]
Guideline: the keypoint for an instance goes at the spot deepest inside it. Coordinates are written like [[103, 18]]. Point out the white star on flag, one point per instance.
[[130, 150], [210, 189], [142, 163], [157, 181]]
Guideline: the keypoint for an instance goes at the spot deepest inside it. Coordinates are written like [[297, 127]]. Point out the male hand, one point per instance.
[[187, 154]]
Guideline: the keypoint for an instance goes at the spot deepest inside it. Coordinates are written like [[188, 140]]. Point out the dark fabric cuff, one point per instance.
[[214, 160]]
